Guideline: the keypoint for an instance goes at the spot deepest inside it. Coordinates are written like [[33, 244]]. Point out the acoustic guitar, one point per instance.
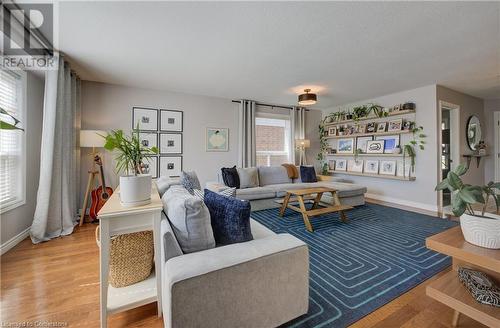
[[101, 194]]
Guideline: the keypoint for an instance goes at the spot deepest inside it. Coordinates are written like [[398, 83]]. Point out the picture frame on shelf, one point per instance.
[[400, 166], [387, 168], [361, 128], [381, 127], [361, 143], [217, 139], [171, 120], [345, 146], [170, 143], [375, 147], [390, 142], [371, 166], [407, 125], [371, 127], [396, 108], [170, 166], [332, 131], [341, 165], [355, 165], [150, 166], [395, 125], [148, 139], [331, 165], [145, 118]]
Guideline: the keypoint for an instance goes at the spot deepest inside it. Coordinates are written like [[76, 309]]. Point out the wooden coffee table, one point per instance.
[[300, 194]]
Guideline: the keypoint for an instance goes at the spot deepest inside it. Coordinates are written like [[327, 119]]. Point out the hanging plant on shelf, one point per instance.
[[323, 146], [410, 149]]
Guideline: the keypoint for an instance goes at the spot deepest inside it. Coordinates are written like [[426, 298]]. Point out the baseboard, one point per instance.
[[14, 241], [402, 204]]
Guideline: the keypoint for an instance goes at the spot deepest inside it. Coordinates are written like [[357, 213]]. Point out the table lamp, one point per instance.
[[302, 144]]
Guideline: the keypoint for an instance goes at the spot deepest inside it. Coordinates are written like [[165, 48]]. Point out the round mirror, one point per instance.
[[473, 132]]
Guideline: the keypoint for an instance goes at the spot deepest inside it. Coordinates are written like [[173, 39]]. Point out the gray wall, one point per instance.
[[490, 106], [19, 219]]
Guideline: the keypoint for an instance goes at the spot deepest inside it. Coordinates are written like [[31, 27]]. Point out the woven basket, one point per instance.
[[130, 257]]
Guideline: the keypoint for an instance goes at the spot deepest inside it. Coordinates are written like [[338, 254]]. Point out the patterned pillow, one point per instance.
[[482, 288], [190, 181]]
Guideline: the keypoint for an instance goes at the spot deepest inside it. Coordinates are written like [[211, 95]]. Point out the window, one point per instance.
[[272, 140], [12, 142]]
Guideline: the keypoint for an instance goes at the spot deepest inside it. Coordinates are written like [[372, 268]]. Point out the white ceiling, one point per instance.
[[270, 51]]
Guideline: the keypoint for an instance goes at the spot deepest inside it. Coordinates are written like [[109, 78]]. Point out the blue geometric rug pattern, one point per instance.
[[358, 266]]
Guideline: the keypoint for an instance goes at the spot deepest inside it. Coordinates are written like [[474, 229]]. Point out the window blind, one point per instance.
[[11, 141]]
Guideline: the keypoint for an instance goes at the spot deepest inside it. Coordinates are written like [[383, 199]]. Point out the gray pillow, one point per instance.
[[189, 218], [190, 181], [249, 177], [163, 183]]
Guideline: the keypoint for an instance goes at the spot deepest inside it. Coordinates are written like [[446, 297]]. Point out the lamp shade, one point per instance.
[[307, 98], [92, 138], [303, 143]]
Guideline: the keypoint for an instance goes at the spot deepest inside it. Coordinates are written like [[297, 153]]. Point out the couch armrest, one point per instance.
[[260, 283], [170, 247]]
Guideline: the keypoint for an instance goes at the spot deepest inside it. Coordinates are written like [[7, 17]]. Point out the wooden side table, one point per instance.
[[116, 219], [449, 290]]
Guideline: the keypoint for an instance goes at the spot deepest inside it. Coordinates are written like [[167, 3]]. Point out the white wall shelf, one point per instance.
[[387, 133], [371, 118], [366, 155], [390, 177]]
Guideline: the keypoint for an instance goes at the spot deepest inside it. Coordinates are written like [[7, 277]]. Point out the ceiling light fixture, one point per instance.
[[307, 98]]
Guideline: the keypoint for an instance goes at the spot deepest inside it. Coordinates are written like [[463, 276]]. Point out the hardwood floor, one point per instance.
[[58, 281]]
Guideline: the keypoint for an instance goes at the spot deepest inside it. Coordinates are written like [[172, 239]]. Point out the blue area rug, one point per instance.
[[358, 266]]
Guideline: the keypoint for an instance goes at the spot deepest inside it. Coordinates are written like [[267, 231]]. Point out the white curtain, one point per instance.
[[56, 206], [246, 134], [298, 130]]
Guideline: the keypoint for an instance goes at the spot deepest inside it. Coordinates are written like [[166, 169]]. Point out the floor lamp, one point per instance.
[[90, 139], [301, 145]]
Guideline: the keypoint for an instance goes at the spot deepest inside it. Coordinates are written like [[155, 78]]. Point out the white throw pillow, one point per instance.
[[249, 177]]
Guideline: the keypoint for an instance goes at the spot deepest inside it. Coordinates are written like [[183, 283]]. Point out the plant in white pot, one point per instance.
[[478, 227], [135, 186]]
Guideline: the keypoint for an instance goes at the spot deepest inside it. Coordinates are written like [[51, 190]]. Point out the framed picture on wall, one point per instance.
[[355, 165], [340, 165], [371, 166], [171, 120], [217, 139], [390, 142], [148, 139], [170, 166], [170, 143], [375, 146], [150, 164], [145, 118], [345, 146], [388, 167]]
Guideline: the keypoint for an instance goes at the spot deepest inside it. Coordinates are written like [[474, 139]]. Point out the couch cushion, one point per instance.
[[259, 231], [255, 193], [230, 218], [344, 189], [269, 175], [280, 189], [249, 177], [189, 218]]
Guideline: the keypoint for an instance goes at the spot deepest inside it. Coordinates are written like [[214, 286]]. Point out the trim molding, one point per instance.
[[14, 241], [403, 204]]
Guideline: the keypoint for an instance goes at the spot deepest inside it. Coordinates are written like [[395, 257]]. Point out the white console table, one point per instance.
[[115, 219]]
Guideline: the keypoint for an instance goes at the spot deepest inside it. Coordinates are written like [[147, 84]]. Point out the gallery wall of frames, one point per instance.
[[161, 128], [371, 146]]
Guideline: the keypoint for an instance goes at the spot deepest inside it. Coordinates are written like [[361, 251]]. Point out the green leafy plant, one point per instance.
[[323, 146], [465, 195], [377, 110], [130, 151], [11, 122], [359, 112], [418, 141]]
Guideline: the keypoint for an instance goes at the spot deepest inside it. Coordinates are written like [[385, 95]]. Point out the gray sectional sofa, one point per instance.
[[274, 180]]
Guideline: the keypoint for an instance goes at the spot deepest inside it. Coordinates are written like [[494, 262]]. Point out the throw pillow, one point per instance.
[[308, 174], [230, 177], [249, 177], [163, 183], [230, 218], [190, 181]]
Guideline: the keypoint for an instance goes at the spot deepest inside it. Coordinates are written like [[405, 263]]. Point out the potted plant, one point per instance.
[[360, 112], [410, 148], [377, 110], [479, 228], [135, 186]]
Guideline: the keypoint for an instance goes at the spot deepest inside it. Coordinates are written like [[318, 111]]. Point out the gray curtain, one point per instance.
[[298, 130], [246, 134], [56, 206]]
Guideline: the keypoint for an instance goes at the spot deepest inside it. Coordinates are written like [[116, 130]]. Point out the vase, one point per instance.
[[135, 190], [481, 231]]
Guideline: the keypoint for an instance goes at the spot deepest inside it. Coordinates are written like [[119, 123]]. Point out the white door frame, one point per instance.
[[496, 143]]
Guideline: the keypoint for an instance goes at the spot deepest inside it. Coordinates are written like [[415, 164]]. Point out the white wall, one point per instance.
[[490, 106], [14, 223]]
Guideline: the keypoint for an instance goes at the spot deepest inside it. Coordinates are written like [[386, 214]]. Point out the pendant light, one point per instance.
[[307, 98]]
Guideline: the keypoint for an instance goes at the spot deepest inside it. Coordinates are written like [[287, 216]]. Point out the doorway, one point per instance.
[[496, 118], [449, 147]]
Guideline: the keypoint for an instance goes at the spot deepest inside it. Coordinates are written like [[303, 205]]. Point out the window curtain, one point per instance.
[[298, 131], [246, 134], [56, 207]]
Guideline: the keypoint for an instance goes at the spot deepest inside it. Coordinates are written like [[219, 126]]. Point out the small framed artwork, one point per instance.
[[390, 142], [217, 139], [355, 165], [331, 165], [407, 125], [170, 166], [403, 169], [397, 108], [332, 131], [150, 166], [341, 165], [395, 125], [375, 147], [345, 146], [170, 143], [361, 128], [171, 120], [370, 127], [371, 167], [388, 167], [148, 139], [361, 143], [145, 118], [381, 126]]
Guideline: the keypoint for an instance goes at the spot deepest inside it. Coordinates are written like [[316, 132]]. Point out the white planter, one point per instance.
[[135, 190], [481, 231]]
